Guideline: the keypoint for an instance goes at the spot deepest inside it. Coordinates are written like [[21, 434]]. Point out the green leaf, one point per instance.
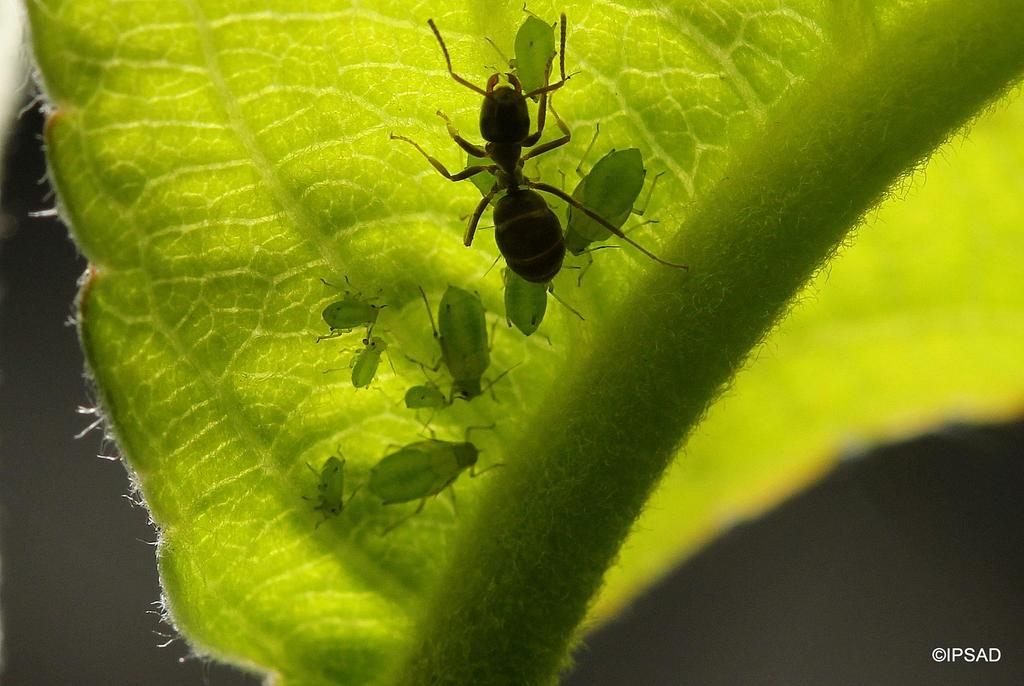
[[216, 159]]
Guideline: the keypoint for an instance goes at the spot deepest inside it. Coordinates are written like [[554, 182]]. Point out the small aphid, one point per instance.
[[364, 364], [525, 302], [425, 396], [421, 470], [348, 313], [535, 50], [610, 189], [461, 331], [330, 499]]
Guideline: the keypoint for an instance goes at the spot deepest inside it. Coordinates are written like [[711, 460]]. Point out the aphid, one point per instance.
[[421, 470], [525, 302], [331, 488], [610, 188], [364, 364], [425, 396], [535, 50], [348, 313], [527, 232], [461, 331]]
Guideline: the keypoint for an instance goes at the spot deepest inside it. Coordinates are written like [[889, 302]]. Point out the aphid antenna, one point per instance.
[[430, 314], [501, 54], [482, 276], [348, 285]]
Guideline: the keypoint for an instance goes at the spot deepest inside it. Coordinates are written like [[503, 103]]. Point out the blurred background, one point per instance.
[[901, 550]]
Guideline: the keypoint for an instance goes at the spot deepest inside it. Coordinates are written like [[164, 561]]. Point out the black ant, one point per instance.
[[527, 232]]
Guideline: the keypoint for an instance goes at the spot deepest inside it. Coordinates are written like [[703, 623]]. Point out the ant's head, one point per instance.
[[504, 117]]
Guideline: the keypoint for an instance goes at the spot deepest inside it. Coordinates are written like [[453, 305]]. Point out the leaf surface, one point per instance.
[[217, 159]]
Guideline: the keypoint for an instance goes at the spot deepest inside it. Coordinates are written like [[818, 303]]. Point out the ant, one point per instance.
[[527, 232]]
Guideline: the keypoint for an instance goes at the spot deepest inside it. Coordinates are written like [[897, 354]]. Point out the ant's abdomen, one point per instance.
[[529, 235]]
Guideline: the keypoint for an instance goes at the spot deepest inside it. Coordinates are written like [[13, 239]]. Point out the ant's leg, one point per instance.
[[463, 143], [550, 145], [464, 174], [448, 62], [542, 110], [547, 188], [467, 240]]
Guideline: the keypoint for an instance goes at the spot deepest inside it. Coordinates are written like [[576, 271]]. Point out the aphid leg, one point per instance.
[[490, 387], [474, 474], [425, 367], [337, 288], [448, 61], [484, 427], [548, 188], [586, 153], [590, 259], [550, 145], [333, 334], [564, 304], [467, 240], [441, 169], [407, 517], [474, 150], [639, 211]]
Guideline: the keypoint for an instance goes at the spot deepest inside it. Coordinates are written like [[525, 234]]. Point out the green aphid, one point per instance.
[[350, 312], [525, 302], [425, 396], [330, 499], [461, 331], [610, 189], [535, 50], [364, 364], [421, 470]]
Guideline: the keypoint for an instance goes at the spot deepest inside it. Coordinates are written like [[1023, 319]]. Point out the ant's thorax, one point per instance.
[[507, 158]]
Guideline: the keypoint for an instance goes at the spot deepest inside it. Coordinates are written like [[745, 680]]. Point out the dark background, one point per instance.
[[912, 547]]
